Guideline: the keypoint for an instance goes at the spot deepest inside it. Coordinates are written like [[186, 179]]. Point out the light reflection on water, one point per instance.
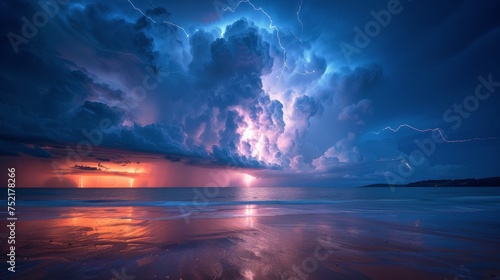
[[262, 230], [249, 209]]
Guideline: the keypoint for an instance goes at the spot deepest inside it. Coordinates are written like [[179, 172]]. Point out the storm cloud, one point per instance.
[[267, 91]]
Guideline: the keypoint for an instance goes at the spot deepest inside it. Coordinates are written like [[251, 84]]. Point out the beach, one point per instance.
[[253, 234], [250, 140]]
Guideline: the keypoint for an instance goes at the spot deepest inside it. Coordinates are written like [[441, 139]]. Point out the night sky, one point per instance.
[[249, 93]]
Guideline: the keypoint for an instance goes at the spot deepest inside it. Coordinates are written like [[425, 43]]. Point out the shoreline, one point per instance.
[[97, 243]]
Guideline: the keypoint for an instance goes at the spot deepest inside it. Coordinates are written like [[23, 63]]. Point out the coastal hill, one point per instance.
[[471, 182]]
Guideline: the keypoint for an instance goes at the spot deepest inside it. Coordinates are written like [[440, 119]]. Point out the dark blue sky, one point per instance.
[[305, 92]]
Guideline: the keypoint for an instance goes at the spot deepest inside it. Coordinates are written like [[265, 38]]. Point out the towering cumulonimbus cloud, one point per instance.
[[261, 86], [231, 110], [239, 93]]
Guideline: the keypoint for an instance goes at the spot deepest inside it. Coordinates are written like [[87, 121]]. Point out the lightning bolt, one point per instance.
[[152, 20], [271, 26], [275, 28], [298, 18], [305, 73], [441, 133], [175, 25], [299, 38], [89, 41], [140, 11]]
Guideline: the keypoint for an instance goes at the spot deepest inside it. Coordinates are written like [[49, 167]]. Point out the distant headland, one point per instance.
[[471, 182]]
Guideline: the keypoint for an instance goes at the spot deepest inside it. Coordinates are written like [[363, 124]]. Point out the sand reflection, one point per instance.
[[249, 214]]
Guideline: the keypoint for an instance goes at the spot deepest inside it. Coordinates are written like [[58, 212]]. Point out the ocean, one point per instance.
[[258, 233], [224, 202]]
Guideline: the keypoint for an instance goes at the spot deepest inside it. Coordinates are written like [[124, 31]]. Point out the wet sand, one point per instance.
[[112, 243]]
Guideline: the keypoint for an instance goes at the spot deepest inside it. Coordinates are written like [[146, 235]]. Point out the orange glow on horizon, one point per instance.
[[105, 181], [124, 174]]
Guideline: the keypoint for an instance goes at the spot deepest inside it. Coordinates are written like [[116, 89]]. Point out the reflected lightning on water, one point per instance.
[[249, 214]]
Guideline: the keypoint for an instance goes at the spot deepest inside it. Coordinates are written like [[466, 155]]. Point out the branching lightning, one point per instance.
[[438, 130], [275, 28], [298, 18], [152, 20], [305, 73], [140, 11], [271, 26], [178, 26], [299, 38], [89, 41]]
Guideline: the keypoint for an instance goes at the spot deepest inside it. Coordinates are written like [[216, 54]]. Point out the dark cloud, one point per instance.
[[86, 167], [113, 33], [226, 95], [224, 156], [11, 148], [306, 107], [354, 111], [242, 49], [352, 83]]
